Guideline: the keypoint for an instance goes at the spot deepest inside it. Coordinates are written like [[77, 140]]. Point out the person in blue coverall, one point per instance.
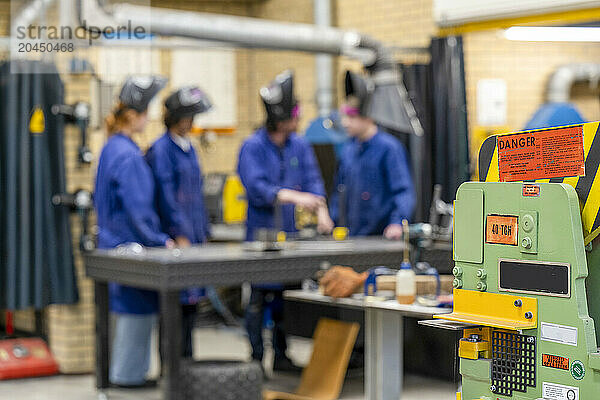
[[374, 189], [179, 196], [279, 171], [124, 200]]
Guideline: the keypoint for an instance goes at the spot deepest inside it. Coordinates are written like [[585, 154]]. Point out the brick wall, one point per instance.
[[71, 327], [4, 24], [402, 23], [4, 17], [526, 67]]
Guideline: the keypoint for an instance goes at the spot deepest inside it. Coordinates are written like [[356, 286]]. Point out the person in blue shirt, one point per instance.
[[179, 195], [374, 189], [279, 171], [124, 203]]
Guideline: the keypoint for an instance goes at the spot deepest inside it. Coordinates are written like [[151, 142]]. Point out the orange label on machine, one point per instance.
[[531, 190], [551, 153], [501, 229], [549, 360]]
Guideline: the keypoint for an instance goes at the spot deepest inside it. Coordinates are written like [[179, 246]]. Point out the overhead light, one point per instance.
[[553, 33]]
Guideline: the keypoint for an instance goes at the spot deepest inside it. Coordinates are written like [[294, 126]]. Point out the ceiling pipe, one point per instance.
[[241, 31], [28, 14], [558, 89], [396, 112], [323, 62]]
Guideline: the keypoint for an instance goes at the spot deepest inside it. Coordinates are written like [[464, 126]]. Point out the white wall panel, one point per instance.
[[214, 71]]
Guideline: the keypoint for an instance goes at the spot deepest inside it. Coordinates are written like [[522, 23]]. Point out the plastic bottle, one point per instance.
[[406, 285]]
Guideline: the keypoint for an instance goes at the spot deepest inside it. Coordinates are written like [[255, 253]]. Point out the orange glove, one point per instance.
[[342, 281]]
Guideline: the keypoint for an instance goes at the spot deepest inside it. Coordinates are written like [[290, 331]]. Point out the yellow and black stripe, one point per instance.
[[587, 187]]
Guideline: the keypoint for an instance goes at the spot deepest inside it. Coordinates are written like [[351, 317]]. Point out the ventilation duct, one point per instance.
[[264, 34]]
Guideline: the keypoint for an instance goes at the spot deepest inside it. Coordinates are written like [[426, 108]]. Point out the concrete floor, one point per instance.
[[212, 344]]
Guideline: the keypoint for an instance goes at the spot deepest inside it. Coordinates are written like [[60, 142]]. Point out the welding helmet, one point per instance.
[[278, 98], [138, 91], [187, 102], [360, 89]]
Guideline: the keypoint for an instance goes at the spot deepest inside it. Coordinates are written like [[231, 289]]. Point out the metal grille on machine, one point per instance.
[[513, 362]]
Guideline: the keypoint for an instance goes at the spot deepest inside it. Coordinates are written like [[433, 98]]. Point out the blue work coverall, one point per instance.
[[180, 204], [124, 199], [180, 199], [264, 169], [378, 186]]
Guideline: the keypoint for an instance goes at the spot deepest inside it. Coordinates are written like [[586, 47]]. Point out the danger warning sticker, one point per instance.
[[558, 362], [551, 153]]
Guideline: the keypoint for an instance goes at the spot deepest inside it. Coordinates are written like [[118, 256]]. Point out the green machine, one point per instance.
[[527, 268]]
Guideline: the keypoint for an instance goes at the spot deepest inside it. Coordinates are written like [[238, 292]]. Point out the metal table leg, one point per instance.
[[102, 338], [383, 354], [170, 343]]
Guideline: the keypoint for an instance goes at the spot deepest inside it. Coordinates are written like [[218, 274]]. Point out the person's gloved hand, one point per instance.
[[342, 281]]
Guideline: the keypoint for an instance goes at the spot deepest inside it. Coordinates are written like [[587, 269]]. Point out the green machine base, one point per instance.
[[520, 289], [527, 268]]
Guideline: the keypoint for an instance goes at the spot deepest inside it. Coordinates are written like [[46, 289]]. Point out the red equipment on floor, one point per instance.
[[25, 357]]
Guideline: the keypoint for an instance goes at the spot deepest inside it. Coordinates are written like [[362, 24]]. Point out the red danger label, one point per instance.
[[552, 153], [558, 362]]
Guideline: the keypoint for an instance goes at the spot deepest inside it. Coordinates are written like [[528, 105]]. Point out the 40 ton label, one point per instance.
[[501, 229]]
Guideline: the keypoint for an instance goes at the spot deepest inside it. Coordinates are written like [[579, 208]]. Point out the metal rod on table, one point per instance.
[[341, 188]]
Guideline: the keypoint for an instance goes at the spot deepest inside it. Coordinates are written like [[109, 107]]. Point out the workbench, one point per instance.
[[169, 271], [384, 338]]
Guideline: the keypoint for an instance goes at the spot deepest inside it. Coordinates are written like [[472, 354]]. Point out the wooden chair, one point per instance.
[[323, 377]]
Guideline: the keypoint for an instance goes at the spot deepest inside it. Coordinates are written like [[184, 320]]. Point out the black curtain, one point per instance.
[[36, 264], [450, 143], [417, 79], [437, 91]]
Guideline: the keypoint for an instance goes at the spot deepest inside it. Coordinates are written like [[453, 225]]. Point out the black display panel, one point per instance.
[[548, 278]]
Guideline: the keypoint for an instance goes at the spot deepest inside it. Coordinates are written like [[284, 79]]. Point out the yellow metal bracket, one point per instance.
[[471, 349], [503, 311]]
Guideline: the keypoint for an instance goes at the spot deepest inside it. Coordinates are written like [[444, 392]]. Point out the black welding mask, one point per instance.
[[138, 91], [359, 91], [187, 102], [278, 98]]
